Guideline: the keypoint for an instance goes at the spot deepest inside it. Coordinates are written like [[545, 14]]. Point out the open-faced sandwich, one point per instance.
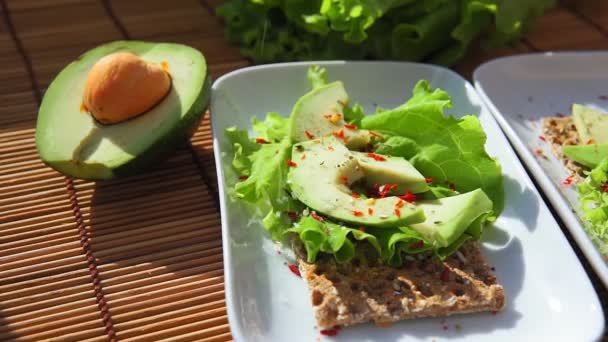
[[383, 211], [581, 143]]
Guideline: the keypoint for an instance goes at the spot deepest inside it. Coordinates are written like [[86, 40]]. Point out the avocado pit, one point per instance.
[[122, 85]]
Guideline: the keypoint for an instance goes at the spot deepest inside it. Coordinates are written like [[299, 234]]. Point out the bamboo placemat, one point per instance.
[[137, 259]]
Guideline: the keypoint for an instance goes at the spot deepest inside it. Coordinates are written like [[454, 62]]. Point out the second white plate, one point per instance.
[[520, 91]]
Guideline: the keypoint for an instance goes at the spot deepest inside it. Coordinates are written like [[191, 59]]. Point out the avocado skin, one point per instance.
[[587, 155], [160, 150]]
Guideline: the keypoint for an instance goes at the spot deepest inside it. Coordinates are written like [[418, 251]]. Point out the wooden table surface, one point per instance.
[[140, 258]]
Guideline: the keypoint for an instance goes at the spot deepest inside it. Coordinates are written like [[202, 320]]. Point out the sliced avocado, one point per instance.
[[447, 218], [591, 124], [71, 141], [391, 170], [588, 155], [320, 177], [318, 114]]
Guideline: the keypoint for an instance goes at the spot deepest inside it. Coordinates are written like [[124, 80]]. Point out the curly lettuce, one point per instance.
[[439, 31], [593, 198]]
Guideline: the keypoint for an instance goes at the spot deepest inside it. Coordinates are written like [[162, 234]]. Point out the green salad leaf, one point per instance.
[[264, 184], [330, 238], [447, 149], [593, 198], [439, 31]]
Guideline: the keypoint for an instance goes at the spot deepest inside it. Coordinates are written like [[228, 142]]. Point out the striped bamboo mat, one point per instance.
[[136, 259]]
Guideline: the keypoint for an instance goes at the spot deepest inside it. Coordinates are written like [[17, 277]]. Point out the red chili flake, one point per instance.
[[590, 142], [603, 97], [290, 163], [292, 215], [344, 180], [357, 213], [338, 134], [398, 212], [243, 177], [445, 274], [303, 156], [317, 217], [539, 152], [409, 197], [261, 141], [309, 135], [384, 191], [331, 332], [542, 137], [428, 180], [568, 180], [376, 156], [294, 269], [394, 186], [327, 116], [605, 187], [370, 211], [417, 244], [494, 313], [376, 135], [355, 195], [362, 229], [351, 127], [399, 203], [376, 186]]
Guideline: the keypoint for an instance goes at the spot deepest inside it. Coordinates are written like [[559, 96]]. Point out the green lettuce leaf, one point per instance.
[[447, 149], [242, 147], [593, 198], [330, 238], [439, 31], [274, 127], [265, 186]]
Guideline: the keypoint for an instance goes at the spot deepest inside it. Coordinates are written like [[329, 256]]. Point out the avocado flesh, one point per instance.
[[392, 170], [72, 142], [318, 181], [310, 111], [448, 218], [587, 155], [591, 124]]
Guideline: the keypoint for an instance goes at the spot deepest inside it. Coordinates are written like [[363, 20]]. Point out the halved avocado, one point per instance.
[[72, 142]]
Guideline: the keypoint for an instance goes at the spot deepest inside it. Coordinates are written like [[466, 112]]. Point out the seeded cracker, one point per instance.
[[366, 290], [560, 132]]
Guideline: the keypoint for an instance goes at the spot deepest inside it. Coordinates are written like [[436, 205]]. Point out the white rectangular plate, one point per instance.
[[520, 91], [548, 293]]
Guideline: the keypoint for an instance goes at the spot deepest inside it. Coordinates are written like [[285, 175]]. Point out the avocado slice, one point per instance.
[[391, 170], [319, 179], [72, 142], [591, 124], [589, 155], [449, 217], [318, 114]]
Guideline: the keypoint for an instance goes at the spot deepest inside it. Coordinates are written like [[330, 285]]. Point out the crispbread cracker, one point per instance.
[[366, 290], [561, 131]]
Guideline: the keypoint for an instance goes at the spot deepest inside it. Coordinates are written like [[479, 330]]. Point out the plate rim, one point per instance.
[[547, 186], [229, 291]]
